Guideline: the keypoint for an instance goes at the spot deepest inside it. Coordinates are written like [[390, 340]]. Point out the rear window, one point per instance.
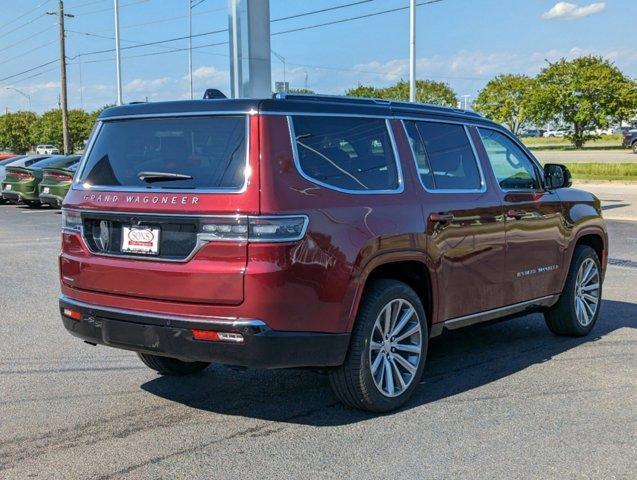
[[353, 154], [169, 153]]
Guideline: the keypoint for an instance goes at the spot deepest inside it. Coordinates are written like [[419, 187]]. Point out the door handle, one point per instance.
[[441, 217], [517, 214]]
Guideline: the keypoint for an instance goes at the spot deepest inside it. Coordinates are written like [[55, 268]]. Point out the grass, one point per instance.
[[604, 171], [607, 142]]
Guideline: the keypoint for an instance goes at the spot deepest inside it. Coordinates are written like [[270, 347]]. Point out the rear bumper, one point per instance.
[[11, 196], [50, 199], [171, 336]]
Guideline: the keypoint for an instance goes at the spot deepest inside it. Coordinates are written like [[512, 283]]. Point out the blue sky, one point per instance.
[[461, 42]]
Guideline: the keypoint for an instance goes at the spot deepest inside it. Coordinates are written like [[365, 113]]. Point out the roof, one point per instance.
[[290, 104]]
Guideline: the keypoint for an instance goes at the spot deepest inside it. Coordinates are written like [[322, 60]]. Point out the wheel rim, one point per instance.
[[395, 347], [587, 292]]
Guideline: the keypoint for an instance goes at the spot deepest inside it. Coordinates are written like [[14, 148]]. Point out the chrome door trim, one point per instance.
[[494, 314]]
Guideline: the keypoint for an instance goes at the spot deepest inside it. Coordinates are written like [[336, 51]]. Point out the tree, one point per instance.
[[505, 99], [16, 130], [49, 127], [585, 93], [427, 91]]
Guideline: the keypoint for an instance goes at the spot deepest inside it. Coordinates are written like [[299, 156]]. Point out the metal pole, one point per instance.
[[190, 46], [412, 50], [118, 62], [66, 137]]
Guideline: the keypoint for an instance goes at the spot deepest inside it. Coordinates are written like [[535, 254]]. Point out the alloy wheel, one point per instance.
[[395, 347], [587, 292]]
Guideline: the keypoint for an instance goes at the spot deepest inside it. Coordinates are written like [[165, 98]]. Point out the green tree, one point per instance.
[[16, 130], [505, 99], [427, 91], [585, 93], [49, 127]]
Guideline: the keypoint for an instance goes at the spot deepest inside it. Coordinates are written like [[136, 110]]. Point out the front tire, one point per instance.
[[577, 310], [171, 366], [634, 147], [387, 351]]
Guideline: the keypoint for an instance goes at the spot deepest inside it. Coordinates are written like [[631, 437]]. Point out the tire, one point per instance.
[[353, 382], [567, 317], [32, 204], [171, 366], [634, 146]]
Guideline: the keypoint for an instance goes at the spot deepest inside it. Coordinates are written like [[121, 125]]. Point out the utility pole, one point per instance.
[[190, 46], [63, 95], [412, 50], [118, 60]]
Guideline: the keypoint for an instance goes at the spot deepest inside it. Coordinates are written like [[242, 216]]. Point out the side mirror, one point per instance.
[[556, 176]]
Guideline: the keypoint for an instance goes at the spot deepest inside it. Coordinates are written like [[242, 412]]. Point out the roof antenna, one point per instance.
[[212, 93]]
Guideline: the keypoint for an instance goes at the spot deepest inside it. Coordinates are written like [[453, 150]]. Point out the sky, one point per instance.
[[464, 43]]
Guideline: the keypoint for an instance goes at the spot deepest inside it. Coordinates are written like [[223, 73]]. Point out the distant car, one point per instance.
[[559, 133], [7, 156], [530, 132], [18, 161], [47, 149], [21, 183], [630, 140], [55, 184]]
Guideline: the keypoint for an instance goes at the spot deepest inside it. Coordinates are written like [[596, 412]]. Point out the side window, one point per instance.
[[346, 153], [444, 156], [512, 168]]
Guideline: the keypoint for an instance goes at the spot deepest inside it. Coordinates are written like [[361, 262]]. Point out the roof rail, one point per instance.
[[373, 101]]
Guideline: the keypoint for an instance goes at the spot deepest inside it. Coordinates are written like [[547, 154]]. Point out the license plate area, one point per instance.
[[46, 190], [140, 240], [8, 186]]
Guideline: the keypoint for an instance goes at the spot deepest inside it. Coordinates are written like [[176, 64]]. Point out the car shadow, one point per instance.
[[457, 362]]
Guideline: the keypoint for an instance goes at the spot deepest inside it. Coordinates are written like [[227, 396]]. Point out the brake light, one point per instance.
[[22, 175], [71, 220], [72, 314], [254, 229], [212, 336], [58, 177]]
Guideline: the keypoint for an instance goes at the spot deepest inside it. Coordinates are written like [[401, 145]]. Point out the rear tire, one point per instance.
[[171, 366], [362, 381], [634, 147], [577, 310]]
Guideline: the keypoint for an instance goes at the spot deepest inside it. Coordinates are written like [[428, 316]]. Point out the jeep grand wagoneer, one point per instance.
[[310, 231]]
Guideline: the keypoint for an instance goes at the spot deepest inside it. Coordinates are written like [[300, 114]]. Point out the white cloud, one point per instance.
[[140, 85], [570, 11]]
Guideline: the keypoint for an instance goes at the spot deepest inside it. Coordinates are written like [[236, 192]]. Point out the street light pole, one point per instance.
[[118, 62], [412, 50], [28, 97]]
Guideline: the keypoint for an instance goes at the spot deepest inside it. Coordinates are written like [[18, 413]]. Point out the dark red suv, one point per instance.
[[320, 232]]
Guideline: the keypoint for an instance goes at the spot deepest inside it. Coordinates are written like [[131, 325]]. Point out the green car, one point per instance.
[[55, 184], [21, 183]]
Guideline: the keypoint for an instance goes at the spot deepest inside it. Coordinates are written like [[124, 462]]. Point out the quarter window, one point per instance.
[[512, 168], [444, 156], [352, 154]]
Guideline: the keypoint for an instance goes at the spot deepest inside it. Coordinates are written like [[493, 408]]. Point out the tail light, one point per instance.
[[254, 229], [22, 175], [71, 220], [58, 177]]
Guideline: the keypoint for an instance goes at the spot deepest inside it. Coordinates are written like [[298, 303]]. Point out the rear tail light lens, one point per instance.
[[254, 229], [212, 336], [72, 314], [58, 177], [71, 220], [22, 175]]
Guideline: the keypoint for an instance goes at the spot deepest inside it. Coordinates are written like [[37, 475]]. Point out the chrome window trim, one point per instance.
[[189, 113], [537, 167], [392, 140], [483, 184], [202, 238], [78, 185]]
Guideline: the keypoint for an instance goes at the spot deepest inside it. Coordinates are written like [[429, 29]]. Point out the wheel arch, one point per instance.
[[411, 268], [594, 237]]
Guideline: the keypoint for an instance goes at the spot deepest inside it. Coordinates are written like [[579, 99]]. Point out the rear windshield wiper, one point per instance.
[[150, 177]]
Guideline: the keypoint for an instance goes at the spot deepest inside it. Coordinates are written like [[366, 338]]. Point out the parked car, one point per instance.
[[55, 184], [21, 182], [562, 132], [47, 149], [630, 140], [16, 161], [7, 156], [531, 132], [319, 232]]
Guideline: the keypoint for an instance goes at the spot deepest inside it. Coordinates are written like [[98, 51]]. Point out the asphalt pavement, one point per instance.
[[506, 400]]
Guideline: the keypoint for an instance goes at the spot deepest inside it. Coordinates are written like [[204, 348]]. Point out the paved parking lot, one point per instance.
[[507, 400]]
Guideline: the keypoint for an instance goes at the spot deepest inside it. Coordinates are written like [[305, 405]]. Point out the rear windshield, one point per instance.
[[169, 153]]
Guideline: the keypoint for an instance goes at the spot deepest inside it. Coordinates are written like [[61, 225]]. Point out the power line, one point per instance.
[[337, 7], [29, 70], [34, 9]]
